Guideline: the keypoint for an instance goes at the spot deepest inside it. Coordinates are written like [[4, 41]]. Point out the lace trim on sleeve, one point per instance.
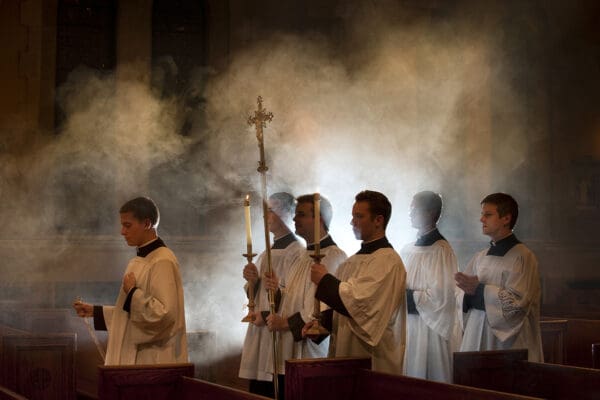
[[510, 304]]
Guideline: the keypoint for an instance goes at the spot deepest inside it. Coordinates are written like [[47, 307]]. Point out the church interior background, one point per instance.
[[104, 100]]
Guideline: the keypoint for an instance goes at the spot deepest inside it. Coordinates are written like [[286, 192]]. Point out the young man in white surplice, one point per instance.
[[500, 286], [430, 264], [367, 293], [147, 323], [297, 290], [255, 364]]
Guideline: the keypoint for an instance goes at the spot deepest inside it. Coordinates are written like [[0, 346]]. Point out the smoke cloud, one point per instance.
[[397, 105]]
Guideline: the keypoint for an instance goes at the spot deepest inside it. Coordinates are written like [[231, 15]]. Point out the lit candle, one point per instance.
[[317, 212], [248, 223]]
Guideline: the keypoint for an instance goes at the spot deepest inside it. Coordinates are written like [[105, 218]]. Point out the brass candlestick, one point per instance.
[[317, 329], [251, 304]]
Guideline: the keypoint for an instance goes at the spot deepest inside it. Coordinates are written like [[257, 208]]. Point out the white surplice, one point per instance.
[[256, 360], [432, 334], [512, 293], [153, 332], [298, 296], [373, 291]]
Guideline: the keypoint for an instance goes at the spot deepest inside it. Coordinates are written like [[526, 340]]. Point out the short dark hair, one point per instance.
[[430, 201], [378, 204], [287, 202], [505, 204], [325, 207], [142, 208]]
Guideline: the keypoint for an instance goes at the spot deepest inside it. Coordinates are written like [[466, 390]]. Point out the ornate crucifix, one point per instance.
[[259, 120]]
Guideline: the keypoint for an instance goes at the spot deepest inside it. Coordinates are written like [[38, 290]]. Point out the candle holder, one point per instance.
[[250, 316], [317, 329]]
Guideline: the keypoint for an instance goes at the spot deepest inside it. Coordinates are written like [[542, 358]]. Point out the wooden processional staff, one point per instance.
[[259, 121]]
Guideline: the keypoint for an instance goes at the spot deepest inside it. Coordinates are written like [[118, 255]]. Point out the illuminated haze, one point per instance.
[[399, 117]]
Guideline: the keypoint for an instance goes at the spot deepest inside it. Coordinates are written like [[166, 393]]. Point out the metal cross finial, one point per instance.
[[260, 119]]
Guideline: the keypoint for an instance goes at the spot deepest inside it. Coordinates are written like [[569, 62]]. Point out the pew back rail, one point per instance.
[[142, 382], [509, 371], [162, 382], [351, 379], [194, 389]]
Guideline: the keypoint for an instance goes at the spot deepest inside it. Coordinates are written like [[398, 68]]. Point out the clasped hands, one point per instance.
[[468, 283]]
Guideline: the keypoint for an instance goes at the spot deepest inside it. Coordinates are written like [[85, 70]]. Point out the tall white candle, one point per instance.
[[248, 222], [317, 212]]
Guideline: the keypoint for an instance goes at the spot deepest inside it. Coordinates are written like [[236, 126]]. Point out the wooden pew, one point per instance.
[[596, 355], [38, 366], [195, 389], [163, 381], [351, 379], [326, 378], [139, 382], [59, 320], [201, 347], [7, 330], [554, 332], [10, 311], [581, 334], [6, 394], [509, 371], [575, 335]]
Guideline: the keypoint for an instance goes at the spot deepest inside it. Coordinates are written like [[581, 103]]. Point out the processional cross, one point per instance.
[[259, 120]]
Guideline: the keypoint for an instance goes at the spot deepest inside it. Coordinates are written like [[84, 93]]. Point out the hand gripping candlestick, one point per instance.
[[259, 120], [317, 329], [249, 255]]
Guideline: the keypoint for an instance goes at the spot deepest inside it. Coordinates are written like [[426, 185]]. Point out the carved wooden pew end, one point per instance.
[[38, 365]]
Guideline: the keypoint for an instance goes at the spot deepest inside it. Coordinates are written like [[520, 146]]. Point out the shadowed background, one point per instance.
[[104, 100]]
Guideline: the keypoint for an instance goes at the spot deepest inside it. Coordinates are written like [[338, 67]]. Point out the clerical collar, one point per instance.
[[501, 247], [146, 249], [284, 241], [325, 242], [429, 238], [372, 247]]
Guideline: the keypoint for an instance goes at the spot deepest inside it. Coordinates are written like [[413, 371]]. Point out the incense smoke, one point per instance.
[[397, 105]]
